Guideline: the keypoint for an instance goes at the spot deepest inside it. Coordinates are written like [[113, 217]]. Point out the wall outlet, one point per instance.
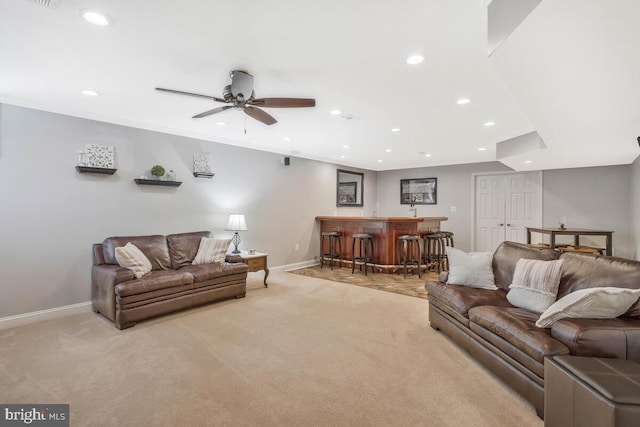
[[453, 209], [296, 247]]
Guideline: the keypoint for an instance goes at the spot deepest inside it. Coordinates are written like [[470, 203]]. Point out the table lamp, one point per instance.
[[236, 223]]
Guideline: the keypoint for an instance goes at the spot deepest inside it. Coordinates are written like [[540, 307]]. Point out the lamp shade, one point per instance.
[[236, 223]]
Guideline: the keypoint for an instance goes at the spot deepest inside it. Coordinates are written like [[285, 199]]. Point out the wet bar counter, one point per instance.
[[385, 231]]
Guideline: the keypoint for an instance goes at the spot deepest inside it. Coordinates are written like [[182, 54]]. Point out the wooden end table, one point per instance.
[[256, 262]]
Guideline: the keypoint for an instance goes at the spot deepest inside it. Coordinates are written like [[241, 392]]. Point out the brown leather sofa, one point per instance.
[[173, 283], [505, 339]]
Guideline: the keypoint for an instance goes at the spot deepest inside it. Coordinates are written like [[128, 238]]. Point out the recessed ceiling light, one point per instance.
[[379, 160], [90, 92], [395, 130], [221, 123], [415, 59], [427, 155], [95, 18], [388, 150], [286, 138], [489, 124], [528, 162], [463, 101], [343, 156], [482, 149], [345, 146], [336, 112]]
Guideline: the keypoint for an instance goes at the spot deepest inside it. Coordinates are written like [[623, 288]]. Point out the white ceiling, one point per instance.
[[569, 72]]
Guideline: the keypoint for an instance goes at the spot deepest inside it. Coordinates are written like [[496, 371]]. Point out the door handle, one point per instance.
[[500, 225], [508, 225]]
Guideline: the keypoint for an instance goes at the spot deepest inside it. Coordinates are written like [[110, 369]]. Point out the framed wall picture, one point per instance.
[[421, 191]]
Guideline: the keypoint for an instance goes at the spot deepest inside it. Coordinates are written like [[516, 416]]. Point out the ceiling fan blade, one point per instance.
[[210, 112], [180, 92], [259, 115], [284, 102]]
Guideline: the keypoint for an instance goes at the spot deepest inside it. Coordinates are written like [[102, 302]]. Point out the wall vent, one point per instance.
[[51, 4]]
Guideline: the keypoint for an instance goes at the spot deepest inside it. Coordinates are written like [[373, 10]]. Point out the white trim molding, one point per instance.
[[42, 315]]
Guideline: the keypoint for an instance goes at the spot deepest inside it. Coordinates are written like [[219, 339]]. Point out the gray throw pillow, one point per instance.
[[535, 284]]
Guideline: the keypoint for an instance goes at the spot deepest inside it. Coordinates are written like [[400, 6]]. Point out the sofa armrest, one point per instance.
[[233, 258], [614, 338], [104, 279]]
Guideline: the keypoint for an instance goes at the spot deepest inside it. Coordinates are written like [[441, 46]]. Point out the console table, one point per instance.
[[575, 232], [385, 231]]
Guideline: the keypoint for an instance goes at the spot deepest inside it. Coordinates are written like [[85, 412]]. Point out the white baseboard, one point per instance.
[[39, 316], [295, 265], [84, 307]]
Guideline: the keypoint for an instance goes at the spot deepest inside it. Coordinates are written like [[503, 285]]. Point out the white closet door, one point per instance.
[[505, 205]]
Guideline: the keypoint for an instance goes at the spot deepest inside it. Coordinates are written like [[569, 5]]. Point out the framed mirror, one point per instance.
[[349, 188]]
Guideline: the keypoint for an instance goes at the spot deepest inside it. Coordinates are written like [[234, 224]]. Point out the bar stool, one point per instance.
[[409, 252], [335, 239], [447, 240], [433, 250], [365, 251]]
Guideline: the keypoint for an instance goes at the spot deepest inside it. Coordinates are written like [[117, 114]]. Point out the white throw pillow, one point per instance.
[[591, 303], [470, 269], [535, 284], [211, 250], [129, 256]]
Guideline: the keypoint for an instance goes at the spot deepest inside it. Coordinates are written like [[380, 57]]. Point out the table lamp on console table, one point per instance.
[[236, 223]]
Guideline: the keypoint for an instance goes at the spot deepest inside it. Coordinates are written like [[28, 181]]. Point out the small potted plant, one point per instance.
[[157, 171]]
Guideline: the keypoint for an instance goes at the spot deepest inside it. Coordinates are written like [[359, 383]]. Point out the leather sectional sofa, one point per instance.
[[173, 284], [505, 338]]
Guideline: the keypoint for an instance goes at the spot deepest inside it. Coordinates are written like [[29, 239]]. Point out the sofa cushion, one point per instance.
[[129, 256], [590, 303], [462, 299], [203, 272], [211, 250], [506, 257], [470, 269], [154, 281], [581, 271], [517, 327], [617, 338], [535, 284], [183, 247], [153, 247]]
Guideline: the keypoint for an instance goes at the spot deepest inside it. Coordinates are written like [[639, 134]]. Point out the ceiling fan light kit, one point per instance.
[[241, 96]]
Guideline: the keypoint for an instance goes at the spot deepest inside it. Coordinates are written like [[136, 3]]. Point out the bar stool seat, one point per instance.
[[365, 251], [409, 253], [335, 239]]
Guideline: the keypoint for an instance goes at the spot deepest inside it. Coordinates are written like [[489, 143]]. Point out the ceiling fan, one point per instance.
[[240, 95]]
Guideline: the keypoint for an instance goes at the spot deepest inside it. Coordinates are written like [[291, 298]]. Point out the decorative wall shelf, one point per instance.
[[157, 182], [89, 169], [203, 174]]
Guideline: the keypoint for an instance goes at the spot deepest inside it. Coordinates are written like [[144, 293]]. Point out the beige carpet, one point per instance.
[[303, 352], [396, 283]]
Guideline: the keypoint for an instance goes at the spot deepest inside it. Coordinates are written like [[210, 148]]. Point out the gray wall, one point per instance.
[[455, 188], [635, 206], [597, 198], [50, 214]]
